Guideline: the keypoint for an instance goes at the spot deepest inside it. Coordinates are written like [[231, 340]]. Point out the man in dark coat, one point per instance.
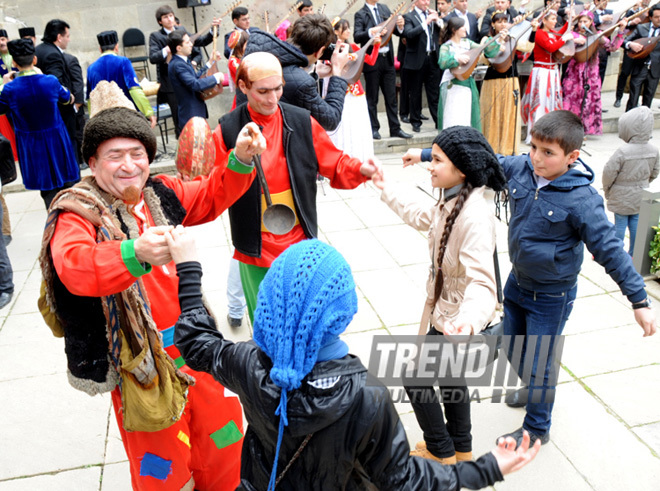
[[159, 55], [241, 19], [78, 91], [646, 71], [380, 76], [50, 59], [310, 36], [186, 82], [502, 6], [422, 34], [460, 10]]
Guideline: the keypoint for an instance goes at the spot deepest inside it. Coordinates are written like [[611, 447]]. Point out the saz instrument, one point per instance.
[[566, 52], [648, 46], [464, 70], [390, 22], [589, 48], [293, 8], [213, 69], [503, 61]]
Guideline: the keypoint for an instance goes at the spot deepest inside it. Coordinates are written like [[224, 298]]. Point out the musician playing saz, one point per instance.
[[646, 71]]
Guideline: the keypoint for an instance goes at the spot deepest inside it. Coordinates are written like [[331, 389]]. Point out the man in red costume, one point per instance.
[[201, 448], [298, 149]]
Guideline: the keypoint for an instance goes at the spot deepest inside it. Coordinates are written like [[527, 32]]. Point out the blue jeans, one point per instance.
[[6, 272], [531, 313], [621, 222], [235, 297]]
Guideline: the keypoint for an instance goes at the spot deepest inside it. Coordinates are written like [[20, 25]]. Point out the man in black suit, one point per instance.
[[421, 32], [50, 59], [646, 71], [381, 75], [502, 6], [186, 82], [241, 19], [471, 28], [159, 55], [602, 15], [627, 63], [78, 90]]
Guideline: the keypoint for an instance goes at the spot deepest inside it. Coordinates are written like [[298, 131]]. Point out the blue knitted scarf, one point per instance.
[[305, 301]]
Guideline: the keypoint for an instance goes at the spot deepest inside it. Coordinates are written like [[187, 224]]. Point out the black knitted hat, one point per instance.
[[471, 153], [107, 38], [117, 122]]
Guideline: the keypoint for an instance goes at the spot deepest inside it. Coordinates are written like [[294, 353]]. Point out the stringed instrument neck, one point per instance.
[[464, 70]]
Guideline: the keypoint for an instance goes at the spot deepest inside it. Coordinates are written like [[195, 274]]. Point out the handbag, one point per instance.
[[7, 163]]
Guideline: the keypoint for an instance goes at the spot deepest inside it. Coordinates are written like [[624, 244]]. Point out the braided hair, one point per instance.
[[442, 247]]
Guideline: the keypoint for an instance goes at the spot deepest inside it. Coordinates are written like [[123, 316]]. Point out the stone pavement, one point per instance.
[[606, 431]]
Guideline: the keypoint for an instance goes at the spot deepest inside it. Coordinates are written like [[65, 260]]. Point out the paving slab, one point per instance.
[[73, 480], [608, 454], [47, 426], [600, 351], [650, 434], [632, 394]]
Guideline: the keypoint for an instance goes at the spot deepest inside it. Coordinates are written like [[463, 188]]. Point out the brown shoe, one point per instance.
[[463, 456], [425, 454]]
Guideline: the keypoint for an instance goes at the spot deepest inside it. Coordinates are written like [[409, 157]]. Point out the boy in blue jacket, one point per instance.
[[554, 211]]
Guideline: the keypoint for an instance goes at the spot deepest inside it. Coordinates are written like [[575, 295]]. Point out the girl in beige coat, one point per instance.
[[461, 292]]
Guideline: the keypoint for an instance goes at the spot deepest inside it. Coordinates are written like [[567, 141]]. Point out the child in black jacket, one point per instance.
[[316, 418]]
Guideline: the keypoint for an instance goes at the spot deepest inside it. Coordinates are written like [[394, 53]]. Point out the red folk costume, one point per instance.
[[232, 65], [207, 440], [543, 93], [342, 171], [356, 88]]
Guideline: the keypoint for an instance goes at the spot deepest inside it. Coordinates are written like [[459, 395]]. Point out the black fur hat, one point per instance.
[[117, 122], [26, 31], [471, 153], [107, 38]]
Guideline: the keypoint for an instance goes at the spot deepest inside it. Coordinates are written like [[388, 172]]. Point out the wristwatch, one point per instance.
[[644, 304]]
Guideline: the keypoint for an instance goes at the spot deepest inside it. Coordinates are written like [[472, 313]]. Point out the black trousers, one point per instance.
[[641, 81], [626, 69], [404, 93], [383, 78], [429, 77], [443, 439], [603, 57]]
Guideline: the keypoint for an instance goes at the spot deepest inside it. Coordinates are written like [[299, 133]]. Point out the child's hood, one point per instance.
[[578, 174], [636, 126]]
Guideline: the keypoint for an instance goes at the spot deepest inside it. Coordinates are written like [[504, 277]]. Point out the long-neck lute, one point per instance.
[[464, 70], [589, 48]]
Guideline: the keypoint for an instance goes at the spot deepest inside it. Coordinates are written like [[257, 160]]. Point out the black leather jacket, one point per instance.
[[357, 439]]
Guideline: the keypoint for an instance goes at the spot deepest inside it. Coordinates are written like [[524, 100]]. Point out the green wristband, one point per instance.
[[237, 166], [135, 267]]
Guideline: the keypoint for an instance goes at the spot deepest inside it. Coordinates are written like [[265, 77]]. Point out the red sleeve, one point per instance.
[[371, 59], [232, 64], [205, 198], [547, 42], [85, 267], [342, 170]]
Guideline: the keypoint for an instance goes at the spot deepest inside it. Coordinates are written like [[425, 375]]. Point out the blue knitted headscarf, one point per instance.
[[305, 301]]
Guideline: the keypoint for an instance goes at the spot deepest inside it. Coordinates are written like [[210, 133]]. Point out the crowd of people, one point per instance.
[[121, 276]]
